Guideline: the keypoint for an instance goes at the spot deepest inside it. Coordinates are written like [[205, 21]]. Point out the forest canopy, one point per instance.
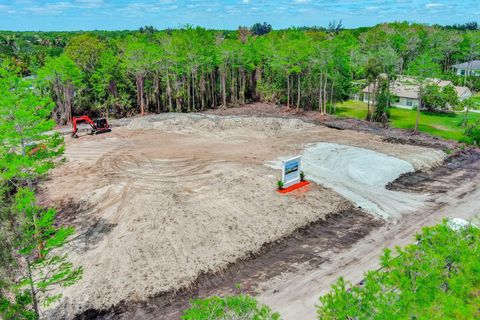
[[121, 73]]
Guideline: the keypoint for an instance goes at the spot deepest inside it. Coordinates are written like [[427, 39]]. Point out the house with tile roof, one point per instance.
[[406, 91]]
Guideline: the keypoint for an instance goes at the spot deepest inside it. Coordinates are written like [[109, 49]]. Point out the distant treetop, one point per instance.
[[260, 29]]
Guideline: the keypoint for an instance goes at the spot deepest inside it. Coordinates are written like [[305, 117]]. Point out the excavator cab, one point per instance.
[[99, 125]]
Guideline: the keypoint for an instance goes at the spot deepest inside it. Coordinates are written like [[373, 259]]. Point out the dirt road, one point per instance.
[[295, 294]]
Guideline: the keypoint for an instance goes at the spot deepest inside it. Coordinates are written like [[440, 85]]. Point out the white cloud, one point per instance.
[[87, 4], [433, 5]]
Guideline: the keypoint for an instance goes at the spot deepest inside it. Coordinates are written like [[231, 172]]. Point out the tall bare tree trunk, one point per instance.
[[67, 105], [298, 92], [193, 91], [243, 86], [169, 93], [331, 96], [417, 119], [224, 89], [325, 94], [156, 83], [288, 91], [232, 87], [140, 80], [202, 90], [32, 289], [320, 101], [256, 78], [178, 102], [213, 85]]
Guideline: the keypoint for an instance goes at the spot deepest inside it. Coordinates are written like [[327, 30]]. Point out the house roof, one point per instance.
[[469, 65], [463, 91], [408, 87]]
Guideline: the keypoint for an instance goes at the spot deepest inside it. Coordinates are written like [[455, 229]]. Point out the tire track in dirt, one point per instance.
[[305, 249]]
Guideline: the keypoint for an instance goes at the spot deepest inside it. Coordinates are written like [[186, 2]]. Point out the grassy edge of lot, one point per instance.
[[444, 125]]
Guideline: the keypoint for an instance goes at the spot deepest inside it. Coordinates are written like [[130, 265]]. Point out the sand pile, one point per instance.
[[208, 123]]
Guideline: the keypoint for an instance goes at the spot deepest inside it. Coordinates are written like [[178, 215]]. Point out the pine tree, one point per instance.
[[29, 151]]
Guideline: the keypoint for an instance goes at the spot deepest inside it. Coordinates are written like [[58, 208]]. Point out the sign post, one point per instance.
[[291, 171]]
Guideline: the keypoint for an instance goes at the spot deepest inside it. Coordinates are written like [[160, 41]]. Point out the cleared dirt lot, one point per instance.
[[166, 198]]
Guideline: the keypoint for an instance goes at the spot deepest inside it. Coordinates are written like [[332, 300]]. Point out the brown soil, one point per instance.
[[461, 166]]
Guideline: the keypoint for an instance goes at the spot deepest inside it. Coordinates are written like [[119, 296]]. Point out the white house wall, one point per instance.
[[402, 103]]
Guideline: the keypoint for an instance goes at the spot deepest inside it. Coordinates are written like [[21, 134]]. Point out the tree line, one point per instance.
[[121, 73]]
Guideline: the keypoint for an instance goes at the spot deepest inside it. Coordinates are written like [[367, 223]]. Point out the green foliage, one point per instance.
[[38, 237], [280, 184], [432, 98], [450, 96], [85, 51], [60, 77], [32, 238], [383, 99], [121, 73], [437, 278], [435, 98], [424, 66], [260, 29], [472, 134], [241, 307], [25, 121]]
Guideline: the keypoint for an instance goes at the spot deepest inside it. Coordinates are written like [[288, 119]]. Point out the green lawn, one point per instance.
[[476, 98], [448, 126]]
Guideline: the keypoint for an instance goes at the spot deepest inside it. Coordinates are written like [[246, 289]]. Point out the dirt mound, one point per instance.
[[209, 123], [392, 135], [457, 168]]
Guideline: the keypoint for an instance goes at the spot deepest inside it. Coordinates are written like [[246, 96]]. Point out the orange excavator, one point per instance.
[[97, 126]]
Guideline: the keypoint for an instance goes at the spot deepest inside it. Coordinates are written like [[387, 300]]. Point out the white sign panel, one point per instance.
[[291, 171]]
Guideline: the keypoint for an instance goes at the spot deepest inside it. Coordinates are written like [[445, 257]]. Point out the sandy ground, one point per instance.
[[295, 294], [169, 197]]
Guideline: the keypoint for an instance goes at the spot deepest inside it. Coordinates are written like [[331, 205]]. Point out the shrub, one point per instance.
[[472, 134], [436, 278], [280, 184], [241, 307]]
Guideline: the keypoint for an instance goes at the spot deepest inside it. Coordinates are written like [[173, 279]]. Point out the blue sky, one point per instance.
[[228, 14]]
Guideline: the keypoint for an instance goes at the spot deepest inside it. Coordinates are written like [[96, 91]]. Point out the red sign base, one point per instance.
[[294, 187]]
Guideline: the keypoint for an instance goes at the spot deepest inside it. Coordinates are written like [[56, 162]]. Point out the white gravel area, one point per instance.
[[360, 175]]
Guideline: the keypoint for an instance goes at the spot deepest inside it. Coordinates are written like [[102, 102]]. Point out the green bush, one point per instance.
[[241, 307], [472, 134], [280, 184], [437, 278]]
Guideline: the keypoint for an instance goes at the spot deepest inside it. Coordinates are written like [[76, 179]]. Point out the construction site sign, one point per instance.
[[291, 171]]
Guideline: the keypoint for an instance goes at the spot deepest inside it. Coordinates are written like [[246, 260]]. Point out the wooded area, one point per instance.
[[122, 73]]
